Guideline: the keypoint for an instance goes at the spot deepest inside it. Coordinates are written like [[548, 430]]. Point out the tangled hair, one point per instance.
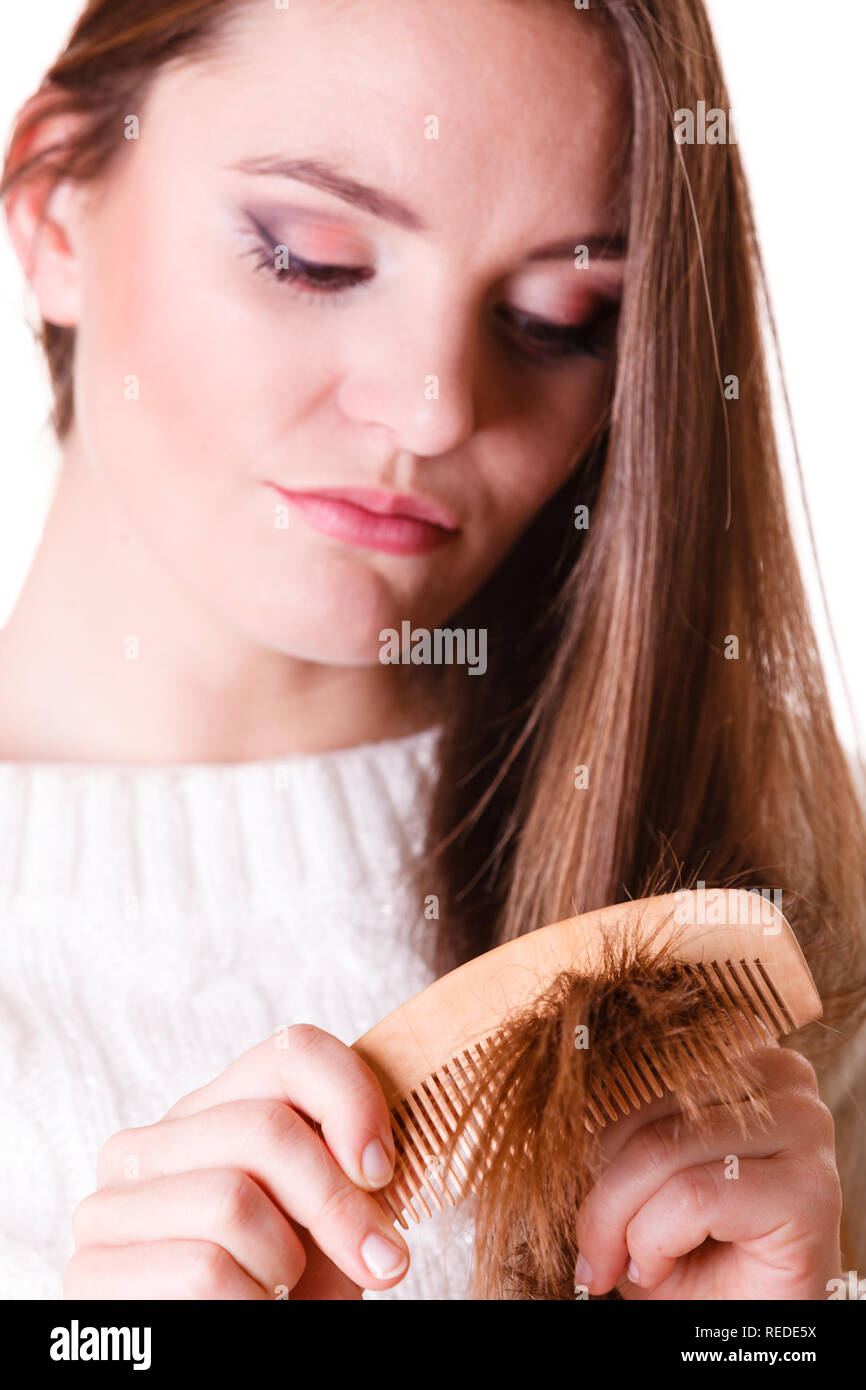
[[532, 1160]]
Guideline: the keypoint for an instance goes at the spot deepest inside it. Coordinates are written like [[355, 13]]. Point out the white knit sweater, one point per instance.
[[156, 922]]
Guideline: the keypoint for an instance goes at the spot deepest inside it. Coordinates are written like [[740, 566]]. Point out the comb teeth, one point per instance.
[[748, 1010], [422, 1123]]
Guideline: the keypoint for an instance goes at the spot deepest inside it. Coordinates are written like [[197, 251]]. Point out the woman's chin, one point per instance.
[[334, 613], [326, 635]]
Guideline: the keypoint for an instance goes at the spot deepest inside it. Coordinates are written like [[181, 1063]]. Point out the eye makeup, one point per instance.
[[542, 340], [535, 338]]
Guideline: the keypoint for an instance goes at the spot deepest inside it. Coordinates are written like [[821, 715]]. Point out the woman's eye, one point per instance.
[[544, 341], [536, 339], [288, 268]]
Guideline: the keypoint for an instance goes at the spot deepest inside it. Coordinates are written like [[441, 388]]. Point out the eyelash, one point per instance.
[[544, 342], [318, 284]]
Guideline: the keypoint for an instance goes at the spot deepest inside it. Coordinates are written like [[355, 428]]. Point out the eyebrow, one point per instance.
[[319, 173]]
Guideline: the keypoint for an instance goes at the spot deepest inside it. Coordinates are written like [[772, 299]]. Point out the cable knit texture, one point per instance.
[[156, 922]]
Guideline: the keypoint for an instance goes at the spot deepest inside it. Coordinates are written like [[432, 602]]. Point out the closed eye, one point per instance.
[[287, 268], [536, 339], [539, 338]]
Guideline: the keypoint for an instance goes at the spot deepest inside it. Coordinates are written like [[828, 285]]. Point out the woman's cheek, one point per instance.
[[556, 434]]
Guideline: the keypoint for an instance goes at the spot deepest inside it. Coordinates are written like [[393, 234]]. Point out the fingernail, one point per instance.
[[633, 1272], [375, 1163], [382, 1258], [582, 1272]]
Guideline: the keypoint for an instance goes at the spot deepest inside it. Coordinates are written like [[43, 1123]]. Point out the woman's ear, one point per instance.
[[43, 211]]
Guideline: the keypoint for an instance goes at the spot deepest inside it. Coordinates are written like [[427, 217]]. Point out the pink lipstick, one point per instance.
[[376, 520]]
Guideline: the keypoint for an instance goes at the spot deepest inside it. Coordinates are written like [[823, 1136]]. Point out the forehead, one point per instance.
[[521, 105]]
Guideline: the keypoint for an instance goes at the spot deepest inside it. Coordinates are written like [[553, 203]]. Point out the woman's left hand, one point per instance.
[[678, 1215]]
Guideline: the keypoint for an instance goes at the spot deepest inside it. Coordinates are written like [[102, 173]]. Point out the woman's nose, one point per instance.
[[420, 386]]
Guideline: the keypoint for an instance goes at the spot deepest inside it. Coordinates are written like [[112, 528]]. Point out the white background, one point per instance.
[[795, 73]]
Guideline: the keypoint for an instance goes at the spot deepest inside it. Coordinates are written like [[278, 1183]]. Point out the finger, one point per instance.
[[661, 1148], [699, 1203], [222, 1206], [166, 1269], [776, 1068], [278, 1148], [322, 1280], [322, 1077]]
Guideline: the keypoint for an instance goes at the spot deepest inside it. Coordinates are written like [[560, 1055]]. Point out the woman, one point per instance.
[[538, 417]]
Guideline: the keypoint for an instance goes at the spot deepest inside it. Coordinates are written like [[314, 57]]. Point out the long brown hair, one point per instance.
[[666, 650]]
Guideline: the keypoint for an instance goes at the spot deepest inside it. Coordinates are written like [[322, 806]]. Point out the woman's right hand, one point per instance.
[[234, 1195]]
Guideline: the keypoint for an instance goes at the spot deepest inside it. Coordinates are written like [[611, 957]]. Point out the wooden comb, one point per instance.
[[427, 1053]]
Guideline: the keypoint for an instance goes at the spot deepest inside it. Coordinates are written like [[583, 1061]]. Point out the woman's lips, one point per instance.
[[376, 520]]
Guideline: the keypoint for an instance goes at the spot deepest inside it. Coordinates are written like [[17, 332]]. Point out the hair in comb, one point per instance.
[[543, 1041]]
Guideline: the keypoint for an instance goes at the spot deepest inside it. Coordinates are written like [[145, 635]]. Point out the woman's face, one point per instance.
[[444, 160]]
